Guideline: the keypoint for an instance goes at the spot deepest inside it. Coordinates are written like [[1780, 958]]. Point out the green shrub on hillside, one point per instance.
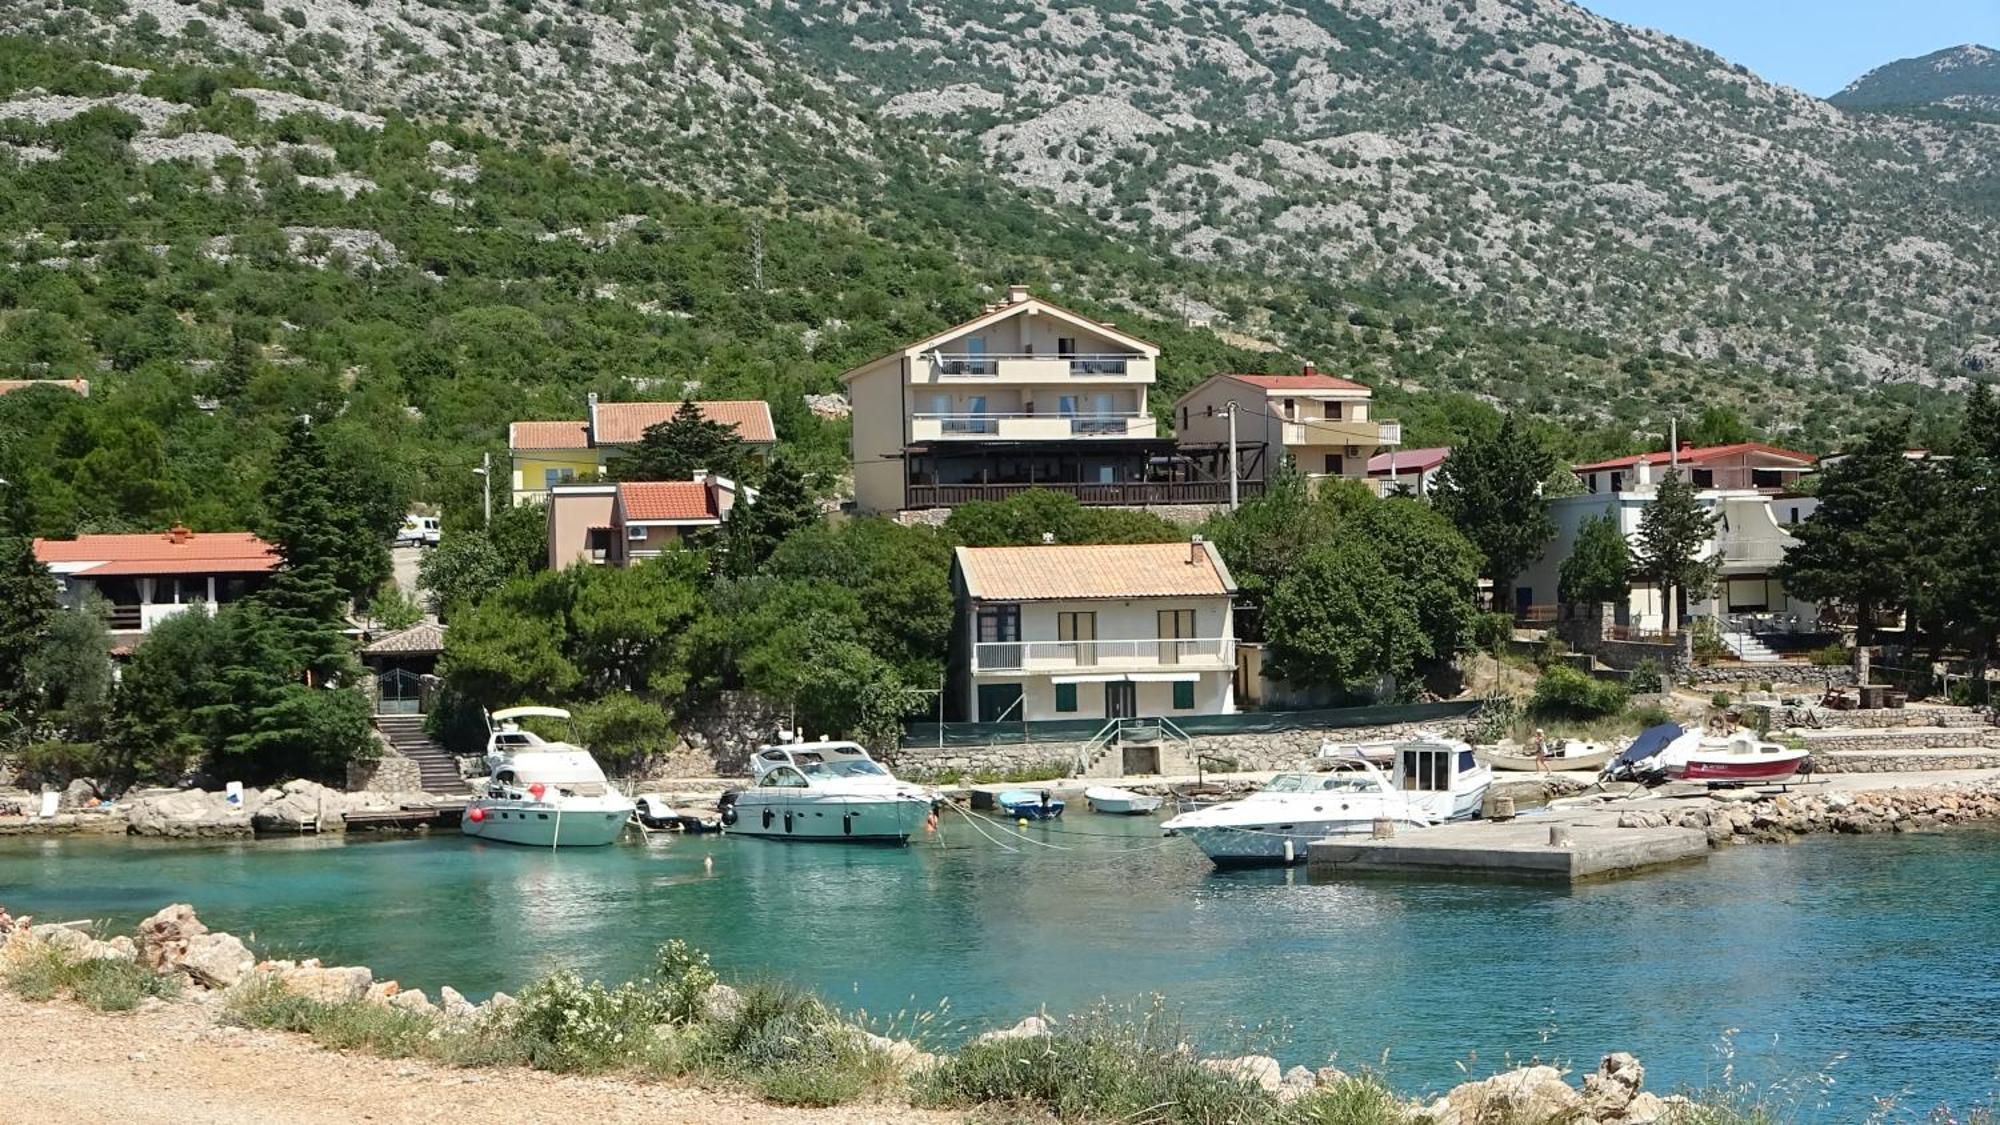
[[1566, 692]]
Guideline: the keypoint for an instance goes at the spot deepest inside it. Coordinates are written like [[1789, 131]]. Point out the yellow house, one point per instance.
[[547, 454]]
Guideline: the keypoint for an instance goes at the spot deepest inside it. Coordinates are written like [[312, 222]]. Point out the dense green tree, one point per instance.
[[323, 548], [1341, 618], [27, 608], [784, 505], [622, 730], [676, 449], [1599, 567], [1491, 490], [463, 568], [1854, 551], [627, 625], [509, 647], [262, 717], [70, 675], [1719, 425], [1670, 548], [1027, 517], [154, 735], [900, 576], [520, 537]]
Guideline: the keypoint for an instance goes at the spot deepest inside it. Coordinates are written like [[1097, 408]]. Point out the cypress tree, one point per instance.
[[1672, 532]]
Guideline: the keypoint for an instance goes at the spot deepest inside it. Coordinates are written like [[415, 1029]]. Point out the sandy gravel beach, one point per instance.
[[61, 1064]]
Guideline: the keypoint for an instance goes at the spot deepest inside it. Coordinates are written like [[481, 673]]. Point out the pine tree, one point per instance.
[[305, 593], [1599, 567], [681, 446], [1491, 490], [1855, 549], [27, 607], [784, 505], [1674, 531]]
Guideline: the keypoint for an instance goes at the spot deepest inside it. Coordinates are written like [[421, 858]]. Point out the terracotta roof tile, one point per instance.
[[418, 639], [548, 435], [1409, 460], [201, 552], [1299, 382], [666, 500], [624, 423], [1704, 453], [1121, 570]]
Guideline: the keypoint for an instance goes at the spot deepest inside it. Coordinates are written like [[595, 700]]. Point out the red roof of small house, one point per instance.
[[179, 551], [1313, 382], [1409, 460], [76, 386], [624, 423], [667, 501], [1693, 454]]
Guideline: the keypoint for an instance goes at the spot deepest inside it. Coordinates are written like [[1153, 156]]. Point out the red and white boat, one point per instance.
[[1671, 752], [1741, 758]]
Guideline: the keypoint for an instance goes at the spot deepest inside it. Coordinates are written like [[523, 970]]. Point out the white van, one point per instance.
[[418, 531]]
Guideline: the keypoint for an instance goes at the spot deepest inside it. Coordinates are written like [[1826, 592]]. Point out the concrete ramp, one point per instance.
[[1592, 847]]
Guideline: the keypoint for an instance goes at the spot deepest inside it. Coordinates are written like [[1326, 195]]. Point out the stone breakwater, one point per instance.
[[1751, 817], [215, 966], [295, 806]]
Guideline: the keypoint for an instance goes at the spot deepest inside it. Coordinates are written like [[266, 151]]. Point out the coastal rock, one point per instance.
[[905, 1056], [1534, 1093], [1034, 1027], [1260, 1070], [1649, 1109], [381, 992], [339, 984], [163, 938], [454, 1004], [216, 960], [720, 1003], [496, 1003], [413, 1000], [1607, 1093], [298, 805], [191, 813]]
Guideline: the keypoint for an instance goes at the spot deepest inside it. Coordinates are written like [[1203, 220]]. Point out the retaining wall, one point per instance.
[[390, 773], [1780, 673], [1899, 762], [1267, 750]]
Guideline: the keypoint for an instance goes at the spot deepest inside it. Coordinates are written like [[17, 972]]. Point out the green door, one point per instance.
[[998, 702]]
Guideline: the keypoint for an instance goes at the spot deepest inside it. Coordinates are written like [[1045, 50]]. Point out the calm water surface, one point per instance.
[[1875, 961]]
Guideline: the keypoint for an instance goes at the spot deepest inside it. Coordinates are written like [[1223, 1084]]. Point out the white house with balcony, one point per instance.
[[1114, 631], [1025, 395], [148, 577], [1326, 425], [1753, 492]]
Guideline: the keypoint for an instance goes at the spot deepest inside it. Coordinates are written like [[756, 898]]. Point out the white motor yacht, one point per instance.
[[1432, 780], [825, 791], [542, 794]]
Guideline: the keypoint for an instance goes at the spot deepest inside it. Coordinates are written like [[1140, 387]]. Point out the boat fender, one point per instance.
[[475, 814], [727, 807], [788, 820], [767, 818]]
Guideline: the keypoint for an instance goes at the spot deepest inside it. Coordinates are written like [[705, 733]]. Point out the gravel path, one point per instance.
[[62, 1064]]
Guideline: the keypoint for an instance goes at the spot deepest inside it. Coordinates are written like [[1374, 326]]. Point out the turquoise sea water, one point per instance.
[[1872, 962]]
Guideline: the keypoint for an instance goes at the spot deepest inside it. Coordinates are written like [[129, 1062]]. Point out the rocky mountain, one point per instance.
[[1397, 183], [1958, 78]]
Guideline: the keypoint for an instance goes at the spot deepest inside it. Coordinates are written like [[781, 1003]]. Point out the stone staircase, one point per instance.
[[1173, 751], [1749, 649], [438, 769]]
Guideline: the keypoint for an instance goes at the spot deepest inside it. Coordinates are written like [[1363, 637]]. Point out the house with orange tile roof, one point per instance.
[[1324, 424], [546, 454], [1093, 632], [1027, 394], [1754, 491], [620, 524], [151, 576]]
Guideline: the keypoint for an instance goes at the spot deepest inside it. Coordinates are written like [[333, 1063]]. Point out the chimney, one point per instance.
[[1687, 447], [1309, 369], [178, 534], [1017, 294], [1197, 551], [1048, 537], [590, 422]]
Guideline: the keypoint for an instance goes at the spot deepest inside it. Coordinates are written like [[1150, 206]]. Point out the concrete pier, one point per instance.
[[1524, 847]]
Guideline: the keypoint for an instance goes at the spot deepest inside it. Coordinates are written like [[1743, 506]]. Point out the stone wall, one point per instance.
[[1779, 673], [1914, 738], [390, 773], [1251, 752], [718, 740], [1901, 763]]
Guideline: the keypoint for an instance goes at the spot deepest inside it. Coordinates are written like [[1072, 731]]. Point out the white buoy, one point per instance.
[[1290, 855]]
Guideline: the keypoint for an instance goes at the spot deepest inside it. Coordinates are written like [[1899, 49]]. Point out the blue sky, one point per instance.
[[1818, 46]]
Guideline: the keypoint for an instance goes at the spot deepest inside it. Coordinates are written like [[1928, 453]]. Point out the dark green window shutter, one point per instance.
[[1183, 696], [1065, 697]]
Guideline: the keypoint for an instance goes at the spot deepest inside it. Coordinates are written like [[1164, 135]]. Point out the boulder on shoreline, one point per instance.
[[175, 941]]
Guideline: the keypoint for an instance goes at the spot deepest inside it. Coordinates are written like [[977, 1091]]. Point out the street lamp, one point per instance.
[[485, 474]]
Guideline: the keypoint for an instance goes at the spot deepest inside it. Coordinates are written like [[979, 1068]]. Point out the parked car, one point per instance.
[[418, 531]]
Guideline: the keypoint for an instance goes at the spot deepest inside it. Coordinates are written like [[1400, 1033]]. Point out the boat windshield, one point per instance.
[[1320, 783], [845, 767]]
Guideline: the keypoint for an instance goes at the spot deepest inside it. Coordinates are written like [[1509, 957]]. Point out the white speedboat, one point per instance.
[[1433, 780], [825, 791], [542, 794], [1120, 802], [1669, 752]]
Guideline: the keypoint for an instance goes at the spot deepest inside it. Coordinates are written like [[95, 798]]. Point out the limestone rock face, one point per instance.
[[906, 1056], [340, 984], [1534, 1093], [1034, 1027], [1609, 1092], [720, 1003], [413, 1000], [299, 804], [192, 813], [216, 960], [1261, 1070], [454, 1004]]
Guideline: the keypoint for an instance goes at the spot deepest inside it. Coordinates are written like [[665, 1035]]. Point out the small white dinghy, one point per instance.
[[1120, 802]]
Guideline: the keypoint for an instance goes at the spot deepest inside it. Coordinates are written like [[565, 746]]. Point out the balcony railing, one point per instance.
[[1020, 425], [1334, 431], [1129, 495], [1057, 656], [993, 365]]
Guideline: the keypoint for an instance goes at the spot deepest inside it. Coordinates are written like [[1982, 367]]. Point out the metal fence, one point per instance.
[[919, 735]]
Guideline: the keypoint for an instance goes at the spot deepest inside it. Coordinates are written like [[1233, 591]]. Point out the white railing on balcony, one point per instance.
[[1055, 656], [990, 365], [1340, 431], [1019, 424]]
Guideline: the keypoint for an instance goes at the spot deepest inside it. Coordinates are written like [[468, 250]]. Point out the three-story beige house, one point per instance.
[[1324, 424], [1025, 395]]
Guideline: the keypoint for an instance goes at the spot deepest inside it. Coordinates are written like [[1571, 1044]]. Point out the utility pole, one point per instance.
[[1233, 502], [757, 256], [485, 474]]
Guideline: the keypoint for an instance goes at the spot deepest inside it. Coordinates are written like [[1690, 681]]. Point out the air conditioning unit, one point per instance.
[[1354, 451]]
